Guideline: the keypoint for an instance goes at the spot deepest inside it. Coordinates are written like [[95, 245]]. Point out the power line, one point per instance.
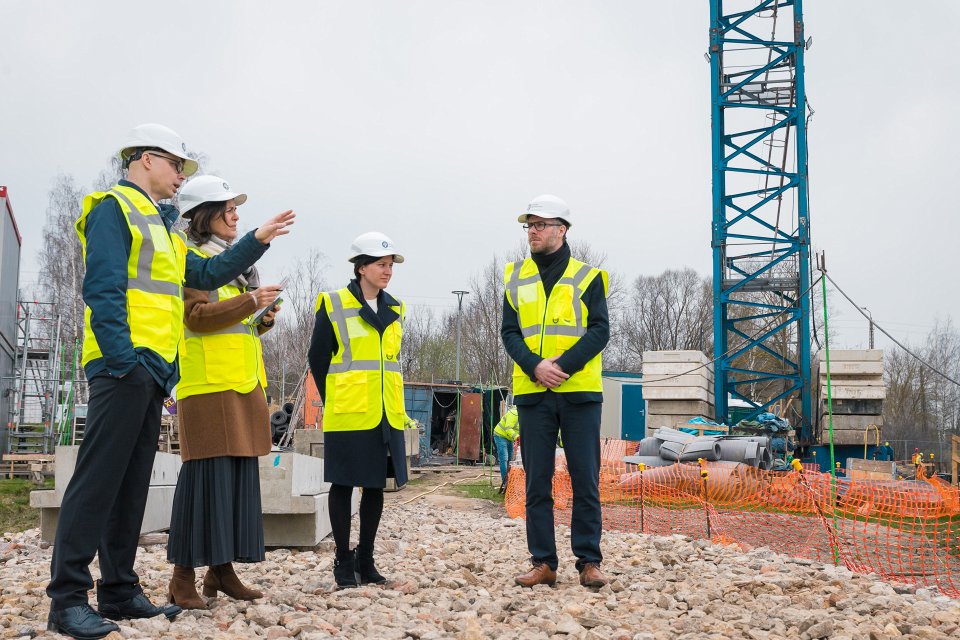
[[884, 332]]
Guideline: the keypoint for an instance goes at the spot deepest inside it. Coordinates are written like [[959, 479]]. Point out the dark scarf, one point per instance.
[[552, 266]]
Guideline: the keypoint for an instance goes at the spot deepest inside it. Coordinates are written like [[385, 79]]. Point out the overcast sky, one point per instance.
[[436, 121]]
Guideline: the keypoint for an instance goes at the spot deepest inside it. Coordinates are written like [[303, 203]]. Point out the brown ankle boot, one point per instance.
[[183, 589], [223, 578]]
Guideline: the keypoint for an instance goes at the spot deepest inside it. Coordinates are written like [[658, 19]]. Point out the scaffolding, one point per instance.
[[44, 382]]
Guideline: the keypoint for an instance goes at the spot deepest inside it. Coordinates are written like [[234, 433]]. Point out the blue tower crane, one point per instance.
[[761, 227]]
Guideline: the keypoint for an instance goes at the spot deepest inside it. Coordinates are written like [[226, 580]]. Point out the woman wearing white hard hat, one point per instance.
[[224, 420], [354, 360]]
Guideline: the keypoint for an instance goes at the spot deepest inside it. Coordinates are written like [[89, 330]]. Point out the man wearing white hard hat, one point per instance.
[[354, 359], [555, 325], [136, 268]]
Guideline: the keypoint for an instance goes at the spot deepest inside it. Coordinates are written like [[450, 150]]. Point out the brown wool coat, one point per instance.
[[226, 423]]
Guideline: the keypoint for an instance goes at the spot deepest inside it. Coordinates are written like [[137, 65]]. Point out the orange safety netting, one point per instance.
[[904, 531]]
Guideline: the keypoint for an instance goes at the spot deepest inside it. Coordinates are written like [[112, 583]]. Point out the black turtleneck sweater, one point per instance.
[[551, 267]]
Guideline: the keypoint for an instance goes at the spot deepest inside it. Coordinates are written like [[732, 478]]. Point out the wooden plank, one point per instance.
[[954, 458]]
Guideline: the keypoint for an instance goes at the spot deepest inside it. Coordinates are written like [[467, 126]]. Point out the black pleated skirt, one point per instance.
[[216, 515]]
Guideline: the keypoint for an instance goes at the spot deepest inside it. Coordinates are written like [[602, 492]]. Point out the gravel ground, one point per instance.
[[451, 563]]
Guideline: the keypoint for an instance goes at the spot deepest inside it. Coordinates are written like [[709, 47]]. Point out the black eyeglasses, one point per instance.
[[540, 226], [176, 163]]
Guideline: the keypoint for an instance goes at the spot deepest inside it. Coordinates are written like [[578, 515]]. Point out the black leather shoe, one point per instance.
[[80, 622], [139, 606]]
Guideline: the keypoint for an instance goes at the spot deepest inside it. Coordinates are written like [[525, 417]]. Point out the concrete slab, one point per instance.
[[155, 518], [655, 421], [308, 442], [680, 407], [305, 527], [853, 407], [676, 393], [855, 422], [861, 355], [673, 368], [845, 392], [285, 476], [848, 436], [697, 357], [854, 381], [691, 380], [858, 367]]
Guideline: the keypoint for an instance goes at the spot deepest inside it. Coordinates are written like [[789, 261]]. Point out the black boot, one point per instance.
[[365, 567], [345, 569]]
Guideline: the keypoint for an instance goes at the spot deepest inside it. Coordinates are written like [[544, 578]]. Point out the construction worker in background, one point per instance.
[[222, 410], [504, 435], [886, 452], [555, 324], [353, 358], [133, 321], [917, 462]]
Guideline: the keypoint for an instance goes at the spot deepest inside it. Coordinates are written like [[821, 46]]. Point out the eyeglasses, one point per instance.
[[540, 226], [176, 163]]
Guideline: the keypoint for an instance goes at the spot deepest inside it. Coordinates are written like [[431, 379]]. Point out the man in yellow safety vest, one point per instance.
[[555, 324], [136, 268]]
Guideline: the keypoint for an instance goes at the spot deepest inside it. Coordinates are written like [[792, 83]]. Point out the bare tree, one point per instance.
[[673, 310], [285, 347], [428, 352], [61, 260]]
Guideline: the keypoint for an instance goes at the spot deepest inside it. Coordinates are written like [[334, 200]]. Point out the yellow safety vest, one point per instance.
[[364, 381], [509, 425], [155, 274], [551, 326], [228, 359]]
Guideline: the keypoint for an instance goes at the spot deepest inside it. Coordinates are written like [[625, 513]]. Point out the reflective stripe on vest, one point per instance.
[[552, 326], [364, 380], [155, 271], [226, 359]]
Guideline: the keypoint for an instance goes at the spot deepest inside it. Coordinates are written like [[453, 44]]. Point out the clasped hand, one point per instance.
[[549, 374]]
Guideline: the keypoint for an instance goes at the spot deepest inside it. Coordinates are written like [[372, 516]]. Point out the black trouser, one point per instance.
[[579, 426], [102, 508], [371, 508]]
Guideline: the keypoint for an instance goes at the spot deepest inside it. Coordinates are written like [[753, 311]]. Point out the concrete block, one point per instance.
[[673, 368], [677, 393], [156, 517], [305, 527], [854, 355], [845, 392], [853, 407], [690, 380], [847, 436], [694, 356], [853, 422], [308, 442], [285, 477], [854, 367], [655, 421], [854, 381], [680, 407]]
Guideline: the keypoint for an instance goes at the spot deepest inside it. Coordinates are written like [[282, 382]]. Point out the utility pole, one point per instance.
[[870, 314], [459, 295]]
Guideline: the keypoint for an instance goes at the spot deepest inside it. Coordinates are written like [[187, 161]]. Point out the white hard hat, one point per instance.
[[547, 206], [375, 245], [158, 136], [205, 189]]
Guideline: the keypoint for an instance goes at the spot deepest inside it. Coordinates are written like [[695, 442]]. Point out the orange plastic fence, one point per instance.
[[905, 531]]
